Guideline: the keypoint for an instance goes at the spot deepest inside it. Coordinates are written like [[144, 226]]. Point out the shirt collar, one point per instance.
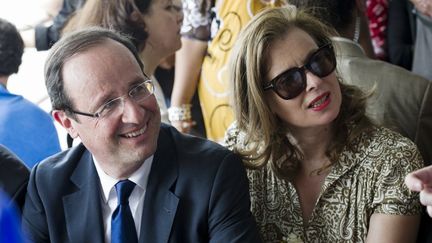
[[139, 177]]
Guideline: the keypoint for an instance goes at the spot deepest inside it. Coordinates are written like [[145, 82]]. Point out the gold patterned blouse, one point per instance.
[[361, 183]]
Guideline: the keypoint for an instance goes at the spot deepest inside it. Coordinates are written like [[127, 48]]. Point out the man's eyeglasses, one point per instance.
[[115, 106], [292, 82]]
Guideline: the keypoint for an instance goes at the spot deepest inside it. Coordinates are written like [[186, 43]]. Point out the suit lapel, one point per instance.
[[82, 207], [160, 204]]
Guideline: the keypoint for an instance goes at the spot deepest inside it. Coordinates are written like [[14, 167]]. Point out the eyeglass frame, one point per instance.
[[128, 94], [302, 70]]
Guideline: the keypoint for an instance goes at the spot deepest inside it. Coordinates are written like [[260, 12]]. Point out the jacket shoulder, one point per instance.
[[60, 165]]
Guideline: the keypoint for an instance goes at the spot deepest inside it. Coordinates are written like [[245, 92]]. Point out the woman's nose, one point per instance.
[[312, 81]]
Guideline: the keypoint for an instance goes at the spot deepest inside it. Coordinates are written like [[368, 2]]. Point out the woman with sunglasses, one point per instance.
[[319, 169]]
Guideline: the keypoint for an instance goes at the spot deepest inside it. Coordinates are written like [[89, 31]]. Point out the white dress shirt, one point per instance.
[[136, 199]]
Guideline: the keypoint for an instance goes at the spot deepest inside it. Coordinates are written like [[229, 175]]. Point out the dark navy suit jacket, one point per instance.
[[197, 192]]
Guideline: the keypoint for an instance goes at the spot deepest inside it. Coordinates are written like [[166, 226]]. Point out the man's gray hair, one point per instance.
[[70, 45]]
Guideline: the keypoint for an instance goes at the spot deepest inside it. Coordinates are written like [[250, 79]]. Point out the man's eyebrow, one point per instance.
[[103, 99], [137, 81]]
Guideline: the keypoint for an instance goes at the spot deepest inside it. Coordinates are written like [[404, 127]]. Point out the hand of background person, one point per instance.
[[421, 181], [423, 6], [184, 126]]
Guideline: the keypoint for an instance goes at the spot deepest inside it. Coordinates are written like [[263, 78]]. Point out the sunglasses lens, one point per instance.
[[322, 62], [290, 84]]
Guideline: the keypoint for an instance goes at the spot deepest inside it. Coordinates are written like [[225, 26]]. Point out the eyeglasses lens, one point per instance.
[[138, 94]]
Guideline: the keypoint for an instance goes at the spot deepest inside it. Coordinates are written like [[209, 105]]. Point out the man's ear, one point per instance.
[[61, 117]]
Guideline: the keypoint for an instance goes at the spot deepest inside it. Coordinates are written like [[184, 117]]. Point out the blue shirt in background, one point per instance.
[[26, 129], [10, 224]]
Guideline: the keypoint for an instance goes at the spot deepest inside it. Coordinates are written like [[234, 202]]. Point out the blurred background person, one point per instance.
[[318, 166], [25, 129], [377, 13], [209, 31], [164, 73], [401, 33], [44, 34], [423, 40]]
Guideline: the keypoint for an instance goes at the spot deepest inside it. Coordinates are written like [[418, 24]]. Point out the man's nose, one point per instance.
[[132, 111]]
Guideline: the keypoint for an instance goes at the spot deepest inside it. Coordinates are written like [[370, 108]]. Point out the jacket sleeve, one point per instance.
[[34, 221], [230, 218], [400, 37]]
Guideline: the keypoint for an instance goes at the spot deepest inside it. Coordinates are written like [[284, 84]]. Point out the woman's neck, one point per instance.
[[313, 143], [151, 59]]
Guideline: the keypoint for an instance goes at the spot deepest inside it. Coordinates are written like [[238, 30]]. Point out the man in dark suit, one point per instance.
[[131, 179]]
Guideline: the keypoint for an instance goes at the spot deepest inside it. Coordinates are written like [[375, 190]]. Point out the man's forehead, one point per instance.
[[104, 47], [98, 55], [106, 63]]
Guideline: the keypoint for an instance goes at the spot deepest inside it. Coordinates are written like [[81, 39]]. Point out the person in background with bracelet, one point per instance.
[[165, 75], [209, 31]]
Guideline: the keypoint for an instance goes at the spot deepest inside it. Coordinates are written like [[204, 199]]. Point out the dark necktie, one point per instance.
[[122, 223]]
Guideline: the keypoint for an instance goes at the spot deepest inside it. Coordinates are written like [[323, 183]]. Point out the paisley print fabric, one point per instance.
[[363, 182]]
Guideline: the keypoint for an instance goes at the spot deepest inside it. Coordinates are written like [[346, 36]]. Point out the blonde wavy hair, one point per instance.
[[265, 134]]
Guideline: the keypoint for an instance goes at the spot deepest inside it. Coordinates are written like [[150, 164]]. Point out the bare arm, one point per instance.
[[28, 37], [187, 69], [385, 228], [423, 6], [52, 7]]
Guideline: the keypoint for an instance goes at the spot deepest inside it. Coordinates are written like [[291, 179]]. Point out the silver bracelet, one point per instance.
[[180, 113]]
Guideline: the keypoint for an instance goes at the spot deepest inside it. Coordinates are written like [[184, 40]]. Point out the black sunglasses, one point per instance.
[[292, 82]]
